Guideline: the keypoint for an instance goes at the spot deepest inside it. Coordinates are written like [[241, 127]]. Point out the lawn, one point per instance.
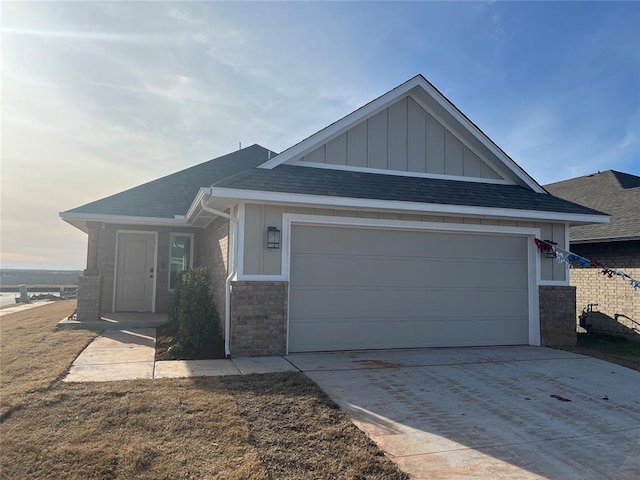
[[277, 426], [612, 349]]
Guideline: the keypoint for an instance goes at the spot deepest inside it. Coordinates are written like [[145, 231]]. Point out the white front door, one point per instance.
[[135, 272]]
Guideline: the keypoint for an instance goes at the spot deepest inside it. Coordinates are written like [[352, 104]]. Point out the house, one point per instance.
[[400, 225], [616, 245]]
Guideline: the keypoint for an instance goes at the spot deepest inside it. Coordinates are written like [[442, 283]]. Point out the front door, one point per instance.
[[135, 272]]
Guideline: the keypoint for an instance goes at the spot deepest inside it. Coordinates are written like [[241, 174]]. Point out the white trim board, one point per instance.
[[398, 173], [409, 207]]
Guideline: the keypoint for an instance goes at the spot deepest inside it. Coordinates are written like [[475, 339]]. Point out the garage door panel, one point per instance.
[[380, 333], [361, 288], [367, 302], [346, 271]]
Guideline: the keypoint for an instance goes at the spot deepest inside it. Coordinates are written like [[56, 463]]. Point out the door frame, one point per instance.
[[155, 267], [530, 233]]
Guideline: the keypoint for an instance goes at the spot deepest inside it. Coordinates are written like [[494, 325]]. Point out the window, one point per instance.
[[180, 257]]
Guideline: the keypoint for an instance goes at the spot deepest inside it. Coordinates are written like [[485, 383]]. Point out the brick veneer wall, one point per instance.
[[89, 293], [557, 316], [258, 318], [213, 252], [618, 302]]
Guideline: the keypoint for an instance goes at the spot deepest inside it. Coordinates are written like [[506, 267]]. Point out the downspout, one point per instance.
[[233, 228]]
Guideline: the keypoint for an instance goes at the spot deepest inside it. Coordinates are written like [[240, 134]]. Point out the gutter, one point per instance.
[[233, 228]]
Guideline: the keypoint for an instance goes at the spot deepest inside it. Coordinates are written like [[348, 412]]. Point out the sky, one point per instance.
[[98, 97]]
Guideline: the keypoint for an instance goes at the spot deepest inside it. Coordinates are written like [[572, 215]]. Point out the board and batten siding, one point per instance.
[[260, 260], [403, 137]]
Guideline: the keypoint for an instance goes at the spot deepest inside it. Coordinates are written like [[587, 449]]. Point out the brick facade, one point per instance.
[[89, 296], [557, 316], [259, 318], [618, 310]]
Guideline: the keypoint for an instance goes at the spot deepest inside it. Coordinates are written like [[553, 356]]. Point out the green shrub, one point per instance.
[[192, 309]]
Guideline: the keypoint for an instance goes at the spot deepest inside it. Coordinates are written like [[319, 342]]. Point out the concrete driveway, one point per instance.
[[498, 413]]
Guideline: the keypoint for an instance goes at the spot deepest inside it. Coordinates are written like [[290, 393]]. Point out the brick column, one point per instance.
[[557, 316], [258, 318], [89, 298]]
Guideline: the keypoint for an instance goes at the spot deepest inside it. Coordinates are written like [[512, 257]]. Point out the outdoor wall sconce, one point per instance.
[[273, 237]]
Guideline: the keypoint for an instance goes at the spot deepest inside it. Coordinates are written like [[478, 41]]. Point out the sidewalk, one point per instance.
[[129, 355]]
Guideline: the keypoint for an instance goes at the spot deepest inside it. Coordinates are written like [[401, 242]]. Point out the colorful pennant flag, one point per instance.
[[572, 260]]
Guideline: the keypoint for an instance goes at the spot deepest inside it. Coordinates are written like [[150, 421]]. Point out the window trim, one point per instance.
[[171, 236]]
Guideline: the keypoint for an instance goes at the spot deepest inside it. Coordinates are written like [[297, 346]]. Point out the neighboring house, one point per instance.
[[400, 225], [616, 245]]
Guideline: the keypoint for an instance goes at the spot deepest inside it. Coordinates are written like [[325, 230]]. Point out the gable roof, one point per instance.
[[615, 193], [418, 86]]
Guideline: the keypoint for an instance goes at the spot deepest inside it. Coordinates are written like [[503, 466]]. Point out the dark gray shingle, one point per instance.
[[615, 193]]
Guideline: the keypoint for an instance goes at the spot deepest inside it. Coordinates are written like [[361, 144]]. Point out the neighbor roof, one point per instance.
[[616, 193]]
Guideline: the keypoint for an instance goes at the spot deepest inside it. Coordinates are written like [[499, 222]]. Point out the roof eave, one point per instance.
[[229, 194], [80, 220]]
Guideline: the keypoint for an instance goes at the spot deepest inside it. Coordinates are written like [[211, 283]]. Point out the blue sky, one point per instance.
[[98, 97]]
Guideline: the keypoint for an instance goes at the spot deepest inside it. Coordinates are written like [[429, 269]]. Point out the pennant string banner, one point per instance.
[[573, 260]]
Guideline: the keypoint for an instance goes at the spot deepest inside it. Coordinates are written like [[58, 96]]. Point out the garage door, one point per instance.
[[362, 288]]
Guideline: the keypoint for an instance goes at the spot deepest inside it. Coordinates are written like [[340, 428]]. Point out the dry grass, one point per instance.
[[33, 354], [278, 426], [612, 349]]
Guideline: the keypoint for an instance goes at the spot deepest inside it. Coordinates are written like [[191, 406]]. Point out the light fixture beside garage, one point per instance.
[[273, 237]]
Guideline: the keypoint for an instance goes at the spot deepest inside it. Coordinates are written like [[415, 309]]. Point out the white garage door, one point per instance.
[[361, 288]]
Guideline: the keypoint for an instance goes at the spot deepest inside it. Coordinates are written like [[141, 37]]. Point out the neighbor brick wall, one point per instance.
[[258, 318], [213, 252], [557, 316], [618, 302], [89, 293]]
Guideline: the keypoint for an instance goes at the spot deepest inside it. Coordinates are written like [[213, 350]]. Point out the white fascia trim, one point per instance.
[[398, 173], [336, 128], [125, 219], [424, 208], [196, 204]]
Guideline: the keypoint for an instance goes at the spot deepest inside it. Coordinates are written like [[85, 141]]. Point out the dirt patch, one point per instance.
[[166, 337]]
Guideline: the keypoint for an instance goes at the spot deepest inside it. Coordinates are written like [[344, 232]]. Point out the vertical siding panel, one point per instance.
[[318, 155], [559, 270], [432, 218], [490, 221], [271, 257], [546, 264], [488, 172], [417, 138], [377, 140], [346, 213], [435, 146], [357, 145], [337, 150], [472, 164], [253, 240], [389, 216], [454, 164], [398, 135], [365, 214]]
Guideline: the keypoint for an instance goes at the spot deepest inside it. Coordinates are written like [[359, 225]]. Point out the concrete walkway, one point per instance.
[[19, 307], [129, 355]]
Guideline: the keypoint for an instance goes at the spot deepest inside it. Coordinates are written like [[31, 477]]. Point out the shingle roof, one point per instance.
[[172, 195], [615, 193], [342, 183]]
